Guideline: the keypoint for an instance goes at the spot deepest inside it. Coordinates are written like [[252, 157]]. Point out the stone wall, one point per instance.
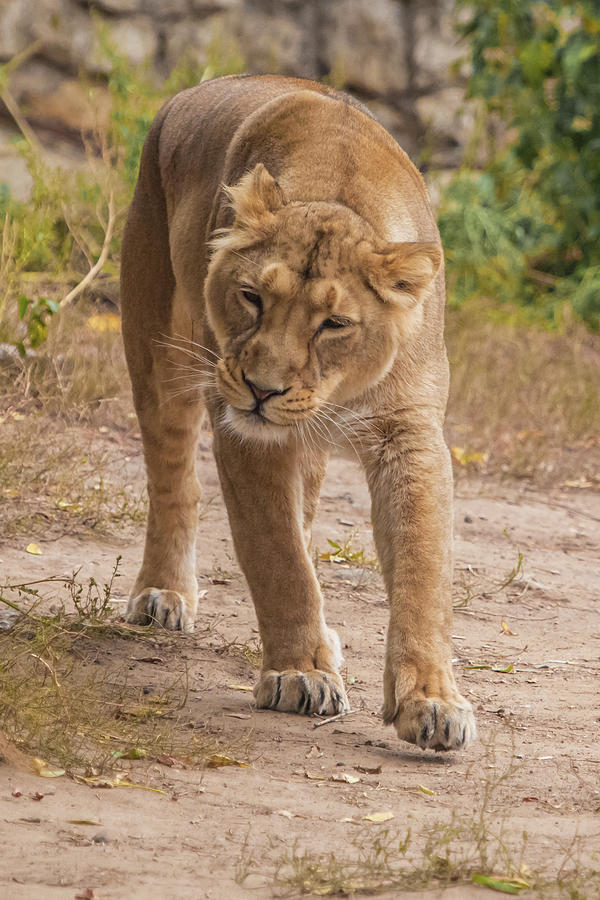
[[395, 55]]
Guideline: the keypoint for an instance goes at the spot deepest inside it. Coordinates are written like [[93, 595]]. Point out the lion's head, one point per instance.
[[309, 307]]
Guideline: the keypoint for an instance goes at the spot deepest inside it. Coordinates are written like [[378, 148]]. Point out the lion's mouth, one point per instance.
[[254, 424]]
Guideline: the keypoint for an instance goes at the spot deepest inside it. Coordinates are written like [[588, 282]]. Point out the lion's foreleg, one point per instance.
[[166, 589], [410, 479], [263, 490]]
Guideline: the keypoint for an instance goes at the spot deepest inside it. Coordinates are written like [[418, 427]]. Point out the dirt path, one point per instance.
[[223, 833]]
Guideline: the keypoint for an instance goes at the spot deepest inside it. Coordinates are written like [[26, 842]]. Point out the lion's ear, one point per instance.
[[402, 272], [254, 199]]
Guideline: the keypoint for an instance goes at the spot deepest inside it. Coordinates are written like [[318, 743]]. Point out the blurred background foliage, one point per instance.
[[525, 228]]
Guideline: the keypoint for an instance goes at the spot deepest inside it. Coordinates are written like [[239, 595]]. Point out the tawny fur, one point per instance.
[[282, 268]]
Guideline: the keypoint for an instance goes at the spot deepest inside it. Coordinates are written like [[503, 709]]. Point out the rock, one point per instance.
[[13, 38], [19, 181], [65, 30], [135, 38], [167, 9], [72, 106], [448, 118], [206, 7], [436, 45], [270, 43], [363, 44], [119, 7], [200, 42], [36, 76], [101, 838]]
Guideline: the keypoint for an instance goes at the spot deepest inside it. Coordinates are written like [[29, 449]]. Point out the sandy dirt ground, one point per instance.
[[224, 833]]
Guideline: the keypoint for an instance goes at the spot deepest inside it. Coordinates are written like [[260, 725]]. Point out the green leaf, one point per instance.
[[51, 305], [23, 303], [505, 886]]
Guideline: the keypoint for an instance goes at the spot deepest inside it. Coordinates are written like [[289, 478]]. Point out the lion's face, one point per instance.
[[308, 306]]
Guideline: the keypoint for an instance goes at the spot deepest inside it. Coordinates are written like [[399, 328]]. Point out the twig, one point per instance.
[[9, 603], [96, 268], [50, 669], [20, 120], [341, 715], [76, 237], [9, 101], [494, 615]]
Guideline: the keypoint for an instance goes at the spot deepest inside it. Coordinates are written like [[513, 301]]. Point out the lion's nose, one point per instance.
[[262, 393]]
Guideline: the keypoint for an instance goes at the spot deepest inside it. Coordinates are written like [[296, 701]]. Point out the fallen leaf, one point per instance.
[[37, 796], [311, 775], [505, 671], [33, 549], [144, 712], [426, 790], [220, 581], [132, 753], [17, 793], [530, 799], [41, 768], [218, 759], [87, 894], [109, 322], [236, 715], [504, 885], [466, 458], [367, 771], [379, 817], [170, 761], [315, 752], [345, 777], [506, 630], [101, 781], [241, 687], [83, 822]]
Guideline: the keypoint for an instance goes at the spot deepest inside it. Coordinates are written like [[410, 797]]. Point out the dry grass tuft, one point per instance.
[[67, 691], [524, 402]]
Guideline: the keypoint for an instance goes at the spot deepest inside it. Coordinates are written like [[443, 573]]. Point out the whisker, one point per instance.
[[333, 407], [181, 337], [191, 374], [342, 430], [197, 356], [321, 429]]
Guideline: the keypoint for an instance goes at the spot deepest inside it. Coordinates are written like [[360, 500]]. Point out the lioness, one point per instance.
[[282, 268]]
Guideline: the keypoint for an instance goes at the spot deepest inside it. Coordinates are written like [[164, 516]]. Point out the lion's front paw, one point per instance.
[[309, 693], [160, 607], [436, 724], [427, 710]]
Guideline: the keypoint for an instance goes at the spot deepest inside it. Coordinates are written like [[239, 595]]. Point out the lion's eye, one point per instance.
[[334, 323], [252, 298]]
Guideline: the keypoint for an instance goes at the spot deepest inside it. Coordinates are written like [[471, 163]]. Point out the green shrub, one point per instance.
[[526, 229]]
